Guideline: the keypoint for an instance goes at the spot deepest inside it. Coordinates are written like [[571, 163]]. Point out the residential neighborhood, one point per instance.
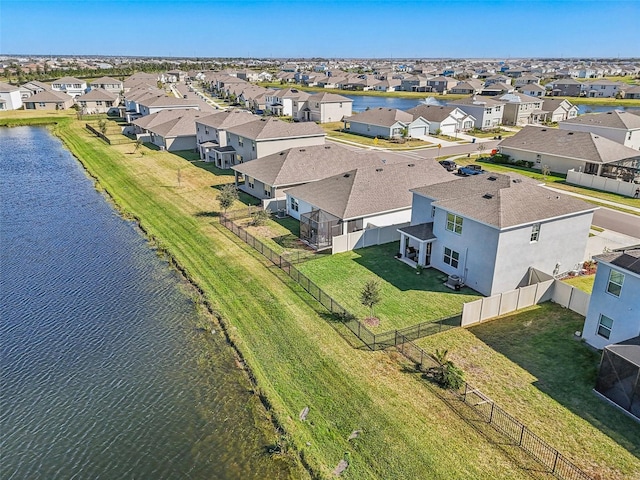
[[494, 190]]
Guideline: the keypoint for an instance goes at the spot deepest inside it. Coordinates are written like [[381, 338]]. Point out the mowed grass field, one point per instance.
[[531, 365], [298, 358], [406, 298]]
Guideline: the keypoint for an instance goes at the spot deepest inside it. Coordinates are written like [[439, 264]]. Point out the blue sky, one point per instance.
[[329, 28]]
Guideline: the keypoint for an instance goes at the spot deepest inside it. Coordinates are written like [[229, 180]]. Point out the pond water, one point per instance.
[[105, 372]]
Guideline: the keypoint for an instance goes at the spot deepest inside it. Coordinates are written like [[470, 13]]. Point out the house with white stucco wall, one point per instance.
[[614, 308], [620, 126], [490, 229]]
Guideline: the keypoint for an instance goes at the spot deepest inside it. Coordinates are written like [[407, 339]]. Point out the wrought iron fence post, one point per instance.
[[491, 414], [521, 436], [555, 462], [466, 387]]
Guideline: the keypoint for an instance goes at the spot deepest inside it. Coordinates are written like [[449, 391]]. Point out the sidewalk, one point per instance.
[[600, 242]]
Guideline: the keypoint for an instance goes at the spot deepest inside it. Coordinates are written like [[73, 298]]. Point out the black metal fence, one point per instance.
[[486, 408], [510, 427], [379, 341]]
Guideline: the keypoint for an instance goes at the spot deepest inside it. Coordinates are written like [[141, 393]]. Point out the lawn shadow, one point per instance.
[[381, 260], [566, 369], [479, 424], [208, 214]]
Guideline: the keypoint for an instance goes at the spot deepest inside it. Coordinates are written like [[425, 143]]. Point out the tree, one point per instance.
[[102, 125], [228, 194], [138, 144], [370, 295]]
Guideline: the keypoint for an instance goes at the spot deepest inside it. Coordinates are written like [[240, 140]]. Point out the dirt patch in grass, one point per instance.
[[372, 321]]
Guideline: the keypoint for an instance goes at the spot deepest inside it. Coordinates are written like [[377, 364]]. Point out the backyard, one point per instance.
[[406, 297], [531, 365], [299, 360]]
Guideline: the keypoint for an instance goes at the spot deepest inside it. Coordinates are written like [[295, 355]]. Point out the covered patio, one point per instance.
[[223, 157], [415, 244]]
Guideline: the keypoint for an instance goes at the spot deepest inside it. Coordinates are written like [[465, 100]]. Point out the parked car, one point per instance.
[[450, 165], [472, 169]]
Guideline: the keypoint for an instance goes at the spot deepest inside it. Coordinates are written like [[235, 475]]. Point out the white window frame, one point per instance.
[[535, 233], [451, 257], [604, 330], [611, 282], [454, 223], [293, 204]]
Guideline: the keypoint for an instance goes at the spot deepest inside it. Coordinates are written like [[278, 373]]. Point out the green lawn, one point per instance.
[[583, 282], [407, 298], [335, 130], [530, 364], [297, 358]]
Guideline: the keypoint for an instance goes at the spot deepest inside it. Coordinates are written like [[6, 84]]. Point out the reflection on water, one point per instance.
[[104, 371]]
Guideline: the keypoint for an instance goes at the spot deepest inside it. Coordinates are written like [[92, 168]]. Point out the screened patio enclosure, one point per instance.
[[317, 229], [619, 375]]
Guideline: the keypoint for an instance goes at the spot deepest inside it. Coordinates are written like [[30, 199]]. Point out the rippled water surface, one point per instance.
[[104, 373]]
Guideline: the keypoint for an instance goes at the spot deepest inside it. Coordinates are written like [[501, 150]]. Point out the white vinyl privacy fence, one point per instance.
[[545, 289]]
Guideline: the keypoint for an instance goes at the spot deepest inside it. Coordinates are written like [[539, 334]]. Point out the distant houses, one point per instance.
[[562, 150]]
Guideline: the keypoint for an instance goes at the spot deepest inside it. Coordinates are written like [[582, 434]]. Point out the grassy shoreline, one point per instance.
[[298, 359], [310, 365]]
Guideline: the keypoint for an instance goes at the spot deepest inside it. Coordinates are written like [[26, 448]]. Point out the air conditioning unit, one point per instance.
[[455, 282], [162, 148]]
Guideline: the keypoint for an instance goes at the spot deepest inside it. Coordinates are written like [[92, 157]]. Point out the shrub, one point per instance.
[[260, 218], [446, 374]]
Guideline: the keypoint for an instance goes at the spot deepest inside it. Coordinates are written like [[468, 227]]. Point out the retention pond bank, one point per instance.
[[108, 369]]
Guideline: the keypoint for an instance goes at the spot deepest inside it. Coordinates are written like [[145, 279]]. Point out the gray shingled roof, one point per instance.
[[613, 119], [325, 97], [165, 101], [5, 87], [151, 121], [180, 126], [369, 190], [431, 113], [517, 97], [308, 164], [49, 96], [68, 81], [222, 120], [272, 128], [384, 117], [627, 259], [477, 100], [584, 146], [97, 94], [502, 200]]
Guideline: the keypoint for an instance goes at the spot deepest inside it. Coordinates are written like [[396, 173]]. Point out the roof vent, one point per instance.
[[281, 153], [303, 149], [327, 147], [346, 175], [487, 195], [517, 180], [492, 178], [378, 169], [411, 165], [544, 129], [570, 133]]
